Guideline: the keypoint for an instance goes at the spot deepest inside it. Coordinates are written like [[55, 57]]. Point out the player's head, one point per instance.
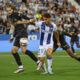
[[47, 18], [9, 10]]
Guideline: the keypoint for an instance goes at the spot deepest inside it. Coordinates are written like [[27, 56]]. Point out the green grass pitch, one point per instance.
[[64, 67]]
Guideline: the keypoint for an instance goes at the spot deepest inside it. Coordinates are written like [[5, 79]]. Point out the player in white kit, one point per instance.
[[46, 43]]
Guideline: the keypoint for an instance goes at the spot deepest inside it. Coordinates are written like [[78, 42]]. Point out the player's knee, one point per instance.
[[23, 49], [41, 59], [49, 55], [14, 51]]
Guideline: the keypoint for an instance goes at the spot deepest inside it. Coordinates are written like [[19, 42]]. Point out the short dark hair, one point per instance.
[[47, 15]]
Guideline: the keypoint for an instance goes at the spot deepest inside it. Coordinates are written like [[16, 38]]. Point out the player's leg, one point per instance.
[[44, 68], [17, 58], [72, 43], [41, 62], [77, 42], [49, 60], [66, 47], [41, 55], [29, 53], [16, 55], [23, 44], [70, 52]]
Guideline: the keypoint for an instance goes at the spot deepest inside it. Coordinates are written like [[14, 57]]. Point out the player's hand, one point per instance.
[[71, 33], [59, 44], [11, 39], [19, 22], [32, 20]]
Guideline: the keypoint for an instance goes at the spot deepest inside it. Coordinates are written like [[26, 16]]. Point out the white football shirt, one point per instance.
[[46, 32]]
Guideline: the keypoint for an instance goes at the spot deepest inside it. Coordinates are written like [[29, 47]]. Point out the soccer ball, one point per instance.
[[23, 41]]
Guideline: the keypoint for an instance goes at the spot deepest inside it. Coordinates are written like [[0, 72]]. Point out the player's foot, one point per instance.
[[45, 72], [50, 71], [39, 65], [19, 70]]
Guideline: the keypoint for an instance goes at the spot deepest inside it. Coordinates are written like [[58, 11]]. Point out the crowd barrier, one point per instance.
[[6, 46]]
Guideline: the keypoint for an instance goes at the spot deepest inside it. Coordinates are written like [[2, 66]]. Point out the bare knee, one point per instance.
[[14, 50], [23, 48], [49, 53], [41, 59]]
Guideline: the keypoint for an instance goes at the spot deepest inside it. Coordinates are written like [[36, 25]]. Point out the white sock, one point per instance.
[[21, 66], [44, 67], [38, 61], [49, 61], [39, 65]]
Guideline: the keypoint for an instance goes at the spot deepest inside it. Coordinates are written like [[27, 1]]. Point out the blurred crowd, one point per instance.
[[62, 12], [78, 1]]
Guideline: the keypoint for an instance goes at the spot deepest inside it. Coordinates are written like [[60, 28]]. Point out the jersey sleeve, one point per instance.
[[55, 27], [25, 17], [38, 24]]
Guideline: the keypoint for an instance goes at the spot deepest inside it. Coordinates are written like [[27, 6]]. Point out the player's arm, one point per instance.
[[56, 34], [31, 21], [67, 34], [11, 39], [57, 38], [12, 36], [25, 17], [71, 33], [23, 22], [37, 30]]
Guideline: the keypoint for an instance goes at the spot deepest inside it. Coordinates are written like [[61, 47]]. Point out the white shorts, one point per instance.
[[43, 49]]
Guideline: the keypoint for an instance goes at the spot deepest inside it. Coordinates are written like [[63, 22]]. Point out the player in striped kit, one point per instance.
[[45, 44]]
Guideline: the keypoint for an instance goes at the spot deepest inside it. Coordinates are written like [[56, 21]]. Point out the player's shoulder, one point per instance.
[[54, 25], [39, 22]]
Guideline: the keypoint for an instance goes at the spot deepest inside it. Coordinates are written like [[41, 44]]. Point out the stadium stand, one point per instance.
[[78, 1], [60, 10]]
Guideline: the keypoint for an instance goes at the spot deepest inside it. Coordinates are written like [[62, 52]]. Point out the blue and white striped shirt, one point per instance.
[[46, 32]]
